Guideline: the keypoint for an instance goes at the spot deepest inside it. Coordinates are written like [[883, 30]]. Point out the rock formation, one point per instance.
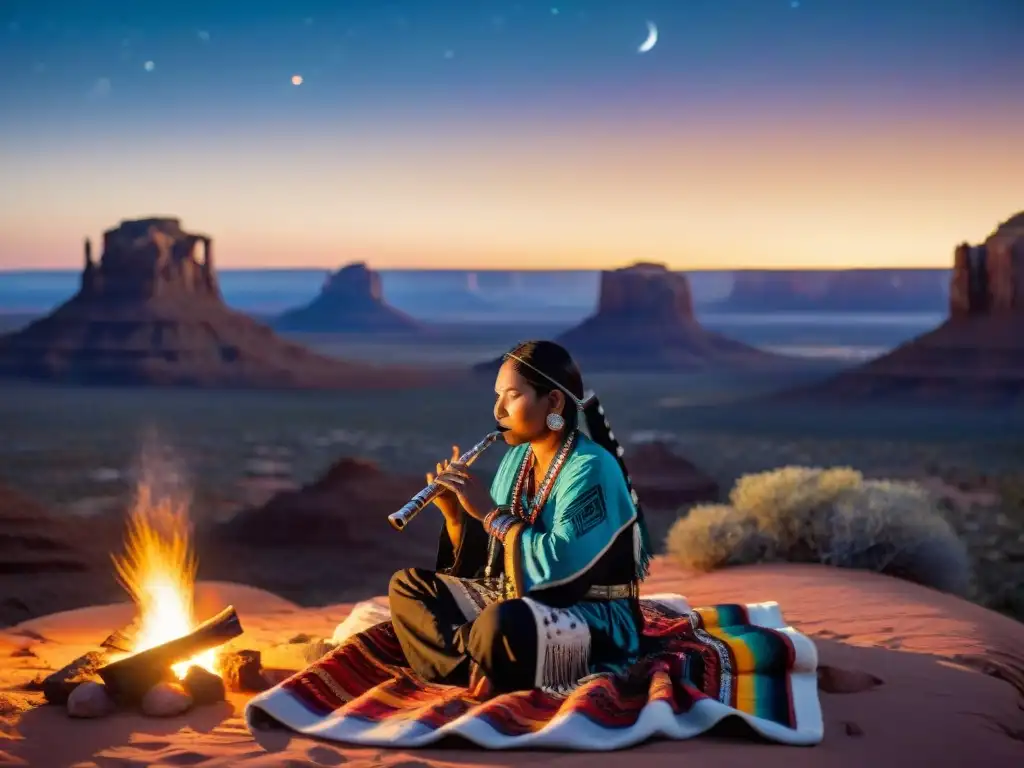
[[845, 290], [645, 322], [48, 563], [977, 354], [337, 525], [665, 480], [151, 312], [666, 483], [347, 505], [351, 301]]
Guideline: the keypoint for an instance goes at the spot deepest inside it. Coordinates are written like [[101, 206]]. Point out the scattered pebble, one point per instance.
[[166, 700], [204, 687], [241, 671], [90, 700]]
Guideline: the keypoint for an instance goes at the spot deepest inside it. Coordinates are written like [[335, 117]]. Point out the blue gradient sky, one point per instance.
[[451, 133]]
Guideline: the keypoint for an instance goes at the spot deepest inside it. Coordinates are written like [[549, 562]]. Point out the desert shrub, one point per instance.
[[829, 516]]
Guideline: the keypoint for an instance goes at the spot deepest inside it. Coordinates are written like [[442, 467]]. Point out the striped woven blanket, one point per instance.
[[710, 664]]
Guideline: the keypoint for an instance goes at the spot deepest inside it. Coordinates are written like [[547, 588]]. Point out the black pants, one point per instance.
[[441, 645]]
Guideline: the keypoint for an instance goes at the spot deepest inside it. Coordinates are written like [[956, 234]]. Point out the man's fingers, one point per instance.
[[455, 452], [430, 478]]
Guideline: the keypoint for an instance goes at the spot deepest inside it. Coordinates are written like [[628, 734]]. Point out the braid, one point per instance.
[[601, 433]]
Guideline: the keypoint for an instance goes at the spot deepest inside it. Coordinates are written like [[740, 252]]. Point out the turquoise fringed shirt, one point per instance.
[[587, 533]]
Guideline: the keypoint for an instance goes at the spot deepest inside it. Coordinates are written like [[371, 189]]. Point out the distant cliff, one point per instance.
[[848, 290], [977, 354]]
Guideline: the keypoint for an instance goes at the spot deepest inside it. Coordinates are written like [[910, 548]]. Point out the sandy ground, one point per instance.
[[909, 675]]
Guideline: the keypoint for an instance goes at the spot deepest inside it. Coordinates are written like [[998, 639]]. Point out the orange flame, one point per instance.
[[158, 570]]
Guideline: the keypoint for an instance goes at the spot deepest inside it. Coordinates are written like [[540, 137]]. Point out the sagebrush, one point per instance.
[[831, 516]]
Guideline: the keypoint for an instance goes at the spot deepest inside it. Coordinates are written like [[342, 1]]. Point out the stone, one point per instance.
[[204, 687], [90, 699], [975, 356], [150, 312], [351, 301], [836, 680], [241, 671], [57, 687], [166, 700]]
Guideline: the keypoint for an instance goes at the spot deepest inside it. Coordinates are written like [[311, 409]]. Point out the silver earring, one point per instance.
[[555, 422]]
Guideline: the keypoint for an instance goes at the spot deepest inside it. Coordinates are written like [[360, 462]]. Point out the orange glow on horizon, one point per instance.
[[810, 191]]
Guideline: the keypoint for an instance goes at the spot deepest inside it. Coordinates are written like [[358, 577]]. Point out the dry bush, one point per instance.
[[830, 516]]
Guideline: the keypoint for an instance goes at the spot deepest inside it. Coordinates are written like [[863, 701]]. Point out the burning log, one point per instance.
[[57, 686], [129, 679]]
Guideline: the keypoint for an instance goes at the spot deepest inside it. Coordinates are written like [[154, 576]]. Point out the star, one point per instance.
[[449, 54], [554, 11], [296, 79], [794, 4], [148, 66], [203, 35]]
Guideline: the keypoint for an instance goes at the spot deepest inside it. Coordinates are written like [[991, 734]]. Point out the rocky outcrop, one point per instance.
[[48, 562], [345, 506], [977, 354], [150, 312], [31, 540], [351, 301], [666, 484], [988, 279], [845, 290], [645, 322], [665, 480], [337, 526]]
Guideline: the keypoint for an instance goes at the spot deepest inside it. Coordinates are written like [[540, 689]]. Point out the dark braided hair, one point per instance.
[[548, 359]]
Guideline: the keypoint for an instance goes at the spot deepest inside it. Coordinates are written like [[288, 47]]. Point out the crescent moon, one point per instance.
[[652, 38]]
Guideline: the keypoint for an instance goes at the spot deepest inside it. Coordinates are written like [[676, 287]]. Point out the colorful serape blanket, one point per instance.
[[706, 666]]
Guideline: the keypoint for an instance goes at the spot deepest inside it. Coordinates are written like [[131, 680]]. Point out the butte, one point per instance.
[[645, 322], [151, 313], [350, 301]]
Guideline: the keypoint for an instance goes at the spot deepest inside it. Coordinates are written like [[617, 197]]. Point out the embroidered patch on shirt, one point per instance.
[[588, 511]]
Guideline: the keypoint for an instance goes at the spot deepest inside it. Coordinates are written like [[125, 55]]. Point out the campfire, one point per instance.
[[165, 661], [158, 570]]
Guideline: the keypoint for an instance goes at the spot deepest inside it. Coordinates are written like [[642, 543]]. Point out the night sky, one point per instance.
[[447, 133]]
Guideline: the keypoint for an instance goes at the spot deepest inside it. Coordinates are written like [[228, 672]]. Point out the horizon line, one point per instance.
[[580, 270]]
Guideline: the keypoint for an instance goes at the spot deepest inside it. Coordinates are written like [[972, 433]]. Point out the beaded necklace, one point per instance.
[[520, 502]]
